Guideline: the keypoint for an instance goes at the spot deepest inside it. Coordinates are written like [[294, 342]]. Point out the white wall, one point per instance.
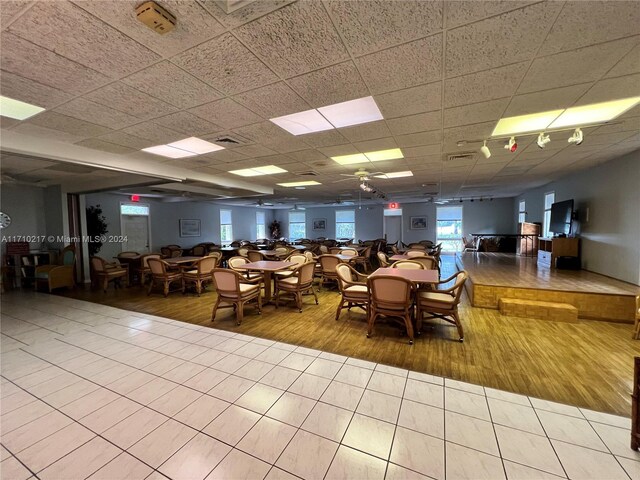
[[26, 207], [610, 240], [489, 216]]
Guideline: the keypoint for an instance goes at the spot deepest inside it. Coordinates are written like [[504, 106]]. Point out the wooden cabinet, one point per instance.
[[528, 241], [549, 249]]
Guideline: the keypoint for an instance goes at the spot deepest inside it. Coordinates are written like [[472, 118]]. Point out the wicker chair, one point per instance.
[[144, 270], [298, 259], [383, 260], [253, 278], [364, 259], [442, 303], [636, 332], [161, 274], [416, 253], [328, 264], [255, 256], [233, 291], [408, 264], [217, 255], [390, 296], [353, 288], [429, 263], [103, 272], [351, 252], [199, 251], [201, 275], [61, 275], [297, 285]]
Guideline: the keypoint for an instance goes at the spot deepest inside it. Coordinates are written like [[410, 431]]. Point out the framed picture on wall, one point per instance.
[[418, 223], [189, 228], [319, 223]]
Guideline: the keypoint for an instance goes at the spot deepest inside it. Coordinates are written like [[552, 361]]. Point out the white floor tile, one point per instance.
[[350, 463], [422, 418], [328, 421], [206, 380], [419, 452], [617, 440], [401, 372], [580, 462], [259, 398], [387, 383], [516, 471], [280, 377], [107, 416], [631, 467], [254, 370], [466, 403], [196, 459], [231, 388], [571, 430], [370, 436], [292, 409], [232, 424], [324, 368], [528, 449], [131, 429], [240, 466], [507, 396], [425, 377], [606, 418], [307, 455], [470, 432], [83, 461], [396, 472], [162, 443], [423, 392], [464, 463], [352, 375], [467, 387], [379, 405], [342, 395], [175, 400], [297, 361], [515, 416], [555, 407], [125, 467], [309, 386], [267, 439], [201, 412], [12, 469]]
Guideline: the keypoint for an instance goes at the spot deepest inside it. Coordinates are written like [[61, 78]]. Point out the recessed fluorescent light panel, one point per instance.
[[534, 122], [196, 145], [377, 156], [391, 175], [353, 112], [344, 114], [594, 113], [307, 183], [257, 171], [16, 109], [350, 159], [169, 152]]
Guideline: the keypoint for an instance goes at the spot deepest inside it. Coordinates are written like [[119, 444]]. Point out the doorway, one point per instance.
[[134, 224], [392, 225], [449, 228]]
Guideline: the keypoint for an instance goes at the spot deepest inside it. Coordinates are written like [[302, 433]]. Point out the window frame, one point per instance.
[[522, 211], [262, 224], [230, 224], [546, 219], [303, 223], [337, 223]]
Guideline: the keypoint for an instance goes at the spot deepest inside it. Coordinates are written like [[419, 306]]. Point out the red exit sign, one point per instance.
[[393, 205]]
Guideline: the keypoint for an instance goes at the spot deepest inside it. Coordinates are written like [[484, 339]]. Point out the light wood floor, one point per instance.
[[588, 364]]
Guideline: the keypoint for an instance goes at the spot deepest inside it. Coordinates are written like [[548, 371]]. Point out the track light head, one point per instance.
[[543, 140], [577, 137], [461, 200], [511, 145], [485, 150]]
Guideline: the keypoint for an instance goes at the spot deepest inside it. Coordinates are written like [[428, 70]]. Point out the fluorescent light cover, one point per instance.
[[353, 112], [594, 113], [350, 159], [307, 183], [254, 172], [380, 155], [167, 151], [387, 176], [525, 123], [196, 145], [300, 123], [16, 109]]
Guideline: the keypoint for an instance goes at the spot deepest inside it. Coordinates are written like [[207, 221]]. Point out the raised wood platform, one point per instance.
[[552, 311], [493, 276]]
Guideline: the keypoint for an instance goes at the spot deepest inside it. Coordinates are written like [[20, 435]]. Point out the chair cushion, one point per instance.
[[246, 288], [436, 299], [289, 280], [42, 274], [283, 274], [192, 272], [357, 289]]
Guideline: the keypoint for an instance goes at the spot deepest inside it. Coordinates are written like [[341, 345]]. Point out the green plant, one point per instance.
[[274, 228], [96, 228]]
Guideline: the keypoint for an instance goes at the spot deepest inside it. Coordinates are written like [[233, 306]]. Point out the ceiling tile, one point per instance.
[[474, 113], [225, 64], [173, 85], [43, 66], [468, 11], [323, 139], [405, 66], [307, 156], [415, 123], [47, 23], [95, 113], [243, 15], [188, 123], [255, 151], [224, 156], [423, 98], [368, 131], [377, 144], [431, 152], [21, 164], [263, 132], [583, 65], [507, 38], [334, 84], [11, 8], [545, 100], [194, 26], [422, 138], [157, 134], [273, 100], [20, 88], [469, 132], [6, 122], [612, 89], [98, 144], [292, 144], [586, 23], [129, 100], [367, 26], [126, 140], [482, 86], [47, 133], [296, 48], [630, 63], [64, 123]]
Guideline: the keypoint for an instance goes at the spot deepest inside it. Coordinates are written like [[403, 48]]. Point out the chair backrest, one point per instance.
[[235, 262], [324, 250], [305, 273], [418, 246], [390, 292], [165, 251], [430, 263], [408, 264], [426, 243], [255, 255], [226, 281], [206, 264], [394, 249], [345, 274], [297, 258], [243, 251], [310, 256], [461, 278], [97, 264], [235, 243], [69, 255], [352, 252], [217, 255], [146, 258], [366, 253], [176, 253], [198, 251], [128, 254], [157, 266], [173, 246], [383, 259], [328, 263], [416, 253], [281, 250]]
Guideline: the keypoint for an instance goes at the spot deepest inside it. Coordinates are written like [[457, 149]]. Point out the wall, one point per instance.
[[611, 238], [26, 207], [494, 216]]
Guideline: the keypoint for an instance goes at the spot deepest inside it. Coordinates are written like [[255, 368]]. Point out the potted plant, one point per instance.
[[96, 228], [274, 228]]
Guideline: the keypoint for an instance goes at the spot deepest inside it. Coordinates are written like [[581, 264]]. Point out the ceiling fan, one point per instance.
[[261, 203], [339, 201], [360, 175]]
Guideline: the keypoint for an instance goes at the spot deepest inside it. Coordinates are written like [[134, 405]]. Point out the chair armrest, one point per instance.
[[446, 280], [45, 268]]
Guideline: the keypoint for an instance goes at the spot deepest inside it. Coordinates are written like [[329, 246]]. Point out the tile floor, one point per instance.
[[90, 391]]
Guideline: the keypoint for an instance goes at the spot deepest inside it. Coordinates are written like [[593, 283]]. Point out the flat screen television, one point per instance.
[[561, 213]]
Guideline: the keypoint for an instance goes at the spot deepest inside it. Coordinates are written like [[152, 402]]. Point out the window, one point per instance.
[[134, 209], [261, 231], [449, 228], [346, 224], [522, 213], [226, 230], [297, 225], [549, 199]]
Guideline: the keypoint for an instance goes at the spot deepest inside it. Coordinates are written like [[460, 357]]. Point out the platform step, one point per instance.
[[557, 312]]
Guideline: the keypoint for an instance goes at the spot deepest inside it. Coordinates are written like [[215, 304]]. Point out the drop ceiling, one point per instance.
[[440, 72]]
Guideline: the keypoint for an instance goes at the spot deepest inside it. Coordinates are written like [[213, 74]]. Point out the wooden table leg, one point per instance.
[[267, 287]]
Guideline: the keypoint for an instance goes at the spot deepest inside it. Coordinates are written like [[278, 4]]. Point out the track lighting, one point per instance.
[[485, 150], [512, 146], [577, 137], [461, 200], [543, 140]]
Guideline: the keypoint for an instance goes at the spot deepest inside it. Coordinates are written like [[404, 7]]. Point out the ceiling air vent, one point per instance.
[[308, 173], [231, 141], [457, 157]]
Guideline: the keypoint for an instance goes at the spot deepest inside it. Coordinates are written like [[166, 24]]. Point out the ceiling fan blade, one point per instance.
[[348, 175], [345, 179]]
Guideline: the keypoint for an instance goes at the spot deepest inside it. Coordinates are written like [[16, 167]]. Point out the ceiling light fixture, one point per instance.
[[577, 137], [169, 152], [16, 109], [387, 176], [306, 183], [300, 123], [377, 156], [524, 123], [594, 113], [196, 145], [257, 171], [485, 150], [511, 145], [543, 140]]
